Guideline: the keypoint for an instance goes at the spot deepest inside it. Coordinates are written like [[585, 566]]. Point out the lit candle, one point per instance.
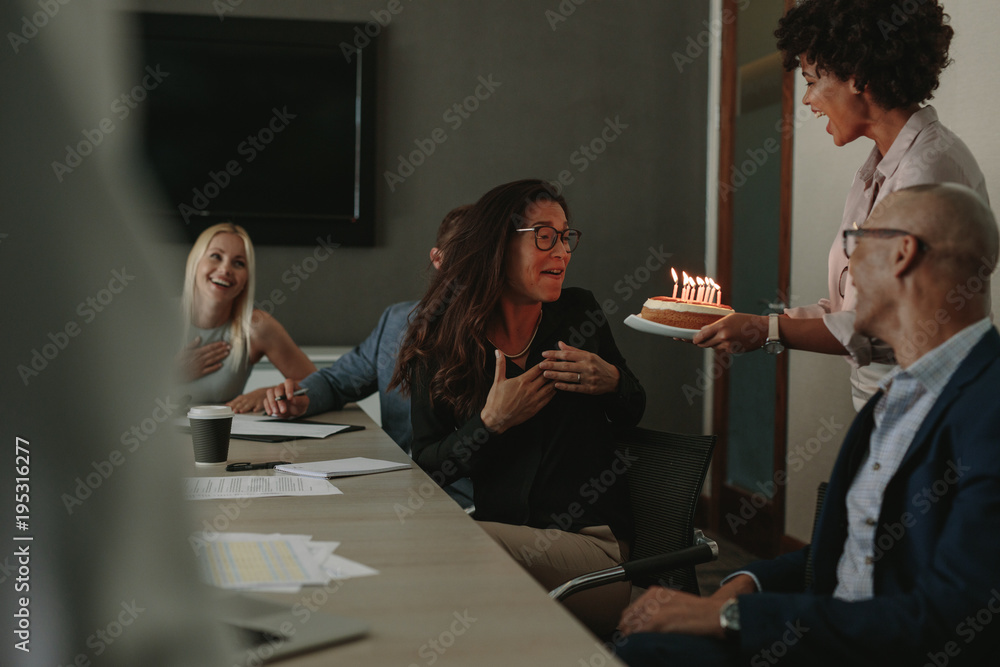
[[700, 293], [674, 274], [684, 289]]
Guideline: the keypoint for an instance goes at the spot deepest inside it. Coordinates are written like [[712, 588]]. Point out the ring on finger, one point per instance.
[[579, 378]]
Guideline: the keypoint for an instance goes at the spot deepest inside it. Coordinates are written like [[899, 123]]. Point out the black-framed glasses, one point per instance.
[[546, 236], [851, 237]]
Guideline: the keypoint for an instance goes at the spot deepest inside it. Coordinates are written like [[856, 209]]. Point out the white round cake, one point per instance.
[[682, 314]]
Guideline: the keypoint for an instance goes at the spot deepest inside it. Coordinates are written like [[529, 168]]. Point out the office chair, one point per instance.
[[665, 482], [820, 499]]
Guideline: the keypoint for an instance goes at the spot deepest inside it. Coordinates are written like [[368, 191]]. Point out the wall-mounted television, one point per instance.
[[267, 123]]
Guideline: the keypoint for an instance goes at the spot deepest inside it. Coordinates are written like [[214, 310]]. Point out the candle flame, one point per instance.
[[686, 278], [700, 281], [673, 273]]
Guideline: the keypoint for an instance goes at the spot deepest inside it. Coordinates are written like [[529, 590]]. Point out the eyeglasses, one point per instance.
[[851, 237], [545, 237]]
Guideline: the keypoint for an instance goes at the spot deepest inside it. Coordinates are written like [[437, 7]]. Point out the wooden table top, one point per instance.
[[445, 594]]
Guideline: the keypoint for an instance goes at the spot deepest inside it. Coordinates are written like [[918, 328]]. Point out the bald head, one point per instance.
[[937, 272], [954, 222]]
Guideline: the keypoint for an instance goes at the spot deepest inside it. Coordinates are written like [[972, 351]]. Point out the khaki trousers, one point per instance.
[[553, 557]]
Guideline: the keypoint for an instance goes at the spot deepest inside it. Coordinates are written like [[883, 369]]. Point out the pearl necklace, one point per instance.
[[526, 347]]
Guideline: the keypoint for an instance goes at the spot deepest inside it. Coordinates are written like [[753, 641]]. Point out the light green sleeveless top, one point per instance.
[[224, 384]]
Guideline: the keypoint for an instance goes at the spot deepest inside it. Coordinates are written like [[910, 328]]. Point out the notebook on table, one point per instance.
[[357, 465]]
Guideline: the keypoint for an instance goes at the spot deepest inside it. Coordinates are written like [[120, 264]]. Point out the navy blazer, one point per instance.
[[937, 570]]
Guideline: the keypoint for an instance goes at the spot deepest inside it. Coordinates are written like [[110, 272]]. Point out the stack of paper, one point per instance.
[[252, 425], [265, 427], [255, 486], [358, 465], [278, 563]]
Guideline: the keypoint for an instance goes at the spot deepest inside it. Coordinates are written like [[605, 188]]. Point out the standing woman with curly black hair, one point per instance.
[[515, 383], [868, 65]]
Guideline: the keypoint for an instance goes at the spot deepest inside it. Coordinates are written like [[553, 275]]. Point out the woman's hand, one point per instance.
[[734, 333], [579, 371], [195, 362], [279, 402], [252, 402], [516, 400]]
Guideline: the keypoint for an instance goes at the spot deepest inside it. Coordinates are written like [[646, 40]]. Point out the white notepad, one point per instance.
[[358, 465]]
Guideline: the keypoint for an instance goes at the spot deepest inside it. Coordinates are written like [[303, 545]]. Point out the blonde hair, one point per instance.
[[239, 320]]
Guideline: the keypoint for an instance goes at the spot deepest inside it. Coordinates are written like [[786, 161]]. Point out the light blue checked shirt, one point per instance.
[[908, 396]]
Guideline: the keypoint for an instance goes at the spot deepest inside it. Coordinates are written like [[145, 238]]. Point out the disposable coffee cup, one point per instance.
[[210, 427]]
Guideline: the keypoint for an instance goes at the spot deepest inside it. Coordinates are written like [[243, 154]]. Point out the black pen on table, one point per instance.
[[238, 467]]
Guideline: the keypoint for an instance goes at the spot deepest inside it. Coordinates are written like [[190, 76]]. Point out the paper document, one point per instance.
[[276, 562], [240, 561], [339, 567], [358, 465], [255, 486], [263, 426], [255, 425]]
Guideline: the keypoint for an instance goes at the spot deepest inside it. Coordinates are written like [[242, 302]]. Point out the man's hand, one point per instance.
[[666, 610], [279, 402]]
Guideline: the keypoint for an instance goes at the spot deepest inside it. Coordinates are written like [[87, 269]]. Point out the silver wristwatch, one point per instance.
[[773, 344], [729, 617]]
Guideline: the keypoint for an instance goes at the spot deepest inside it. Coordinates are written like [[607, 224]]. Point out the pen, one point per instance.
[[237, 467], [297, 392]]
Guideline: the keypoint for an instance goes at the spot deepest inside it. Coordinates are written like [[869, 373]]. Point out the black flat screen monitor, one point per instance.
[[267, 123]]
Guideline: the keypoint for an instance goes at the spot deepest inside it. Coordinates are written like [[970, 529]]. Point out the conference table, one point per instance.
[[445, 593]]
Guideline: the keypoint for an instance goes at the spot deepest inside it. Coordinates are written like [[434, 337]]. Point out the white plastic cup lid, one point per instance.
[[210, 412]]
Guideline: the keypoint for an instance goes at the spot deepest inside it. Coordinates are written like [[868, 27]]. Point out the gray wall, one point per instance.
[[556, 89]]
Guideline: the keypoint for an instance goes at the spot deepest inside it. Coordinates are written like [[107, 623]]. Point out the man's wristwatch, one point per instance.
[[729, 618], [773, 344]]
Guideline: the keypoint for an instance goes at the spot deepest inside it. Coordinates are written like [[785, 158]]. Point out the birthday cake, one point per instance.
[[682, 313]]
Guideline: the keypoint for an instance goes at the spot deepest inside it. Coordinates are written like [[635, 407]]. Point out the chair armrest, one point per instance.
[[707, 550]]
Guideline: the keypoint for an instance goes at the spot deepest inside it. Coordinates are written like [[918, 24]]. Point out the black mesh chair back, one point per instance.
[[820, 497], [665, 480]]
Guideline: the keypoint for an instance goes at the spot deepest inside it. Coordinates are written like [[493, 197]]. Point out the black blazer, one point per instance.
[[937, 568], [558, 469]]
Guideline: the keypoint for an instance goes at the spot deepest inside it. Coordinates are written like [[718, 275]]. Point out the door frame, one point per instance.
[[763, 535]]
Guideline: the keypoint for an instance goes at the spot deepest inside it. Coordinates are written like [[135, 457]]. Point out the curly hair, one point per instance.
[[894, 49], [449, 330]]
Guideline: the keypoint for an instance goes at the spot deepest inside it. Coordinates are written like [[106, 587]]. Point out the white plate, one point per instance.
[[639, 324]]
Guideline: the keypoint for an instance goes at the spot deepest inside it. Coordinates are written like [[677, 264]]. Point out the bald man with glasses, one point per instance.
[[906, 552]]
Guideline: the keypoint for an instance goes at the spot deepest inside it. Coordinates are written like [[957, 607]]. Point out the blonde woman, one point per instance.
[[226, 335]]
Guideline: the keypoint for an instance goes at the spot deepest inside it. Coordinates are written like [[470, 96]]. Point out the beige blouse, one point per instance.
[[925, 151]]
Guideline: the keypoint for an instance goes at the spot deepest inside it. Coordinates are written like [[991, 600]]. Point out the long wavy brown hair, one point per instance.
[[449, 330]]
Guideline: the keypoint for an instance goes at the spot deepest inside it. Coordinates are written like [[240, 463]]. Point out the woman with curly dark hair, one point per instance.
[[868, 66], [515, 382]]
